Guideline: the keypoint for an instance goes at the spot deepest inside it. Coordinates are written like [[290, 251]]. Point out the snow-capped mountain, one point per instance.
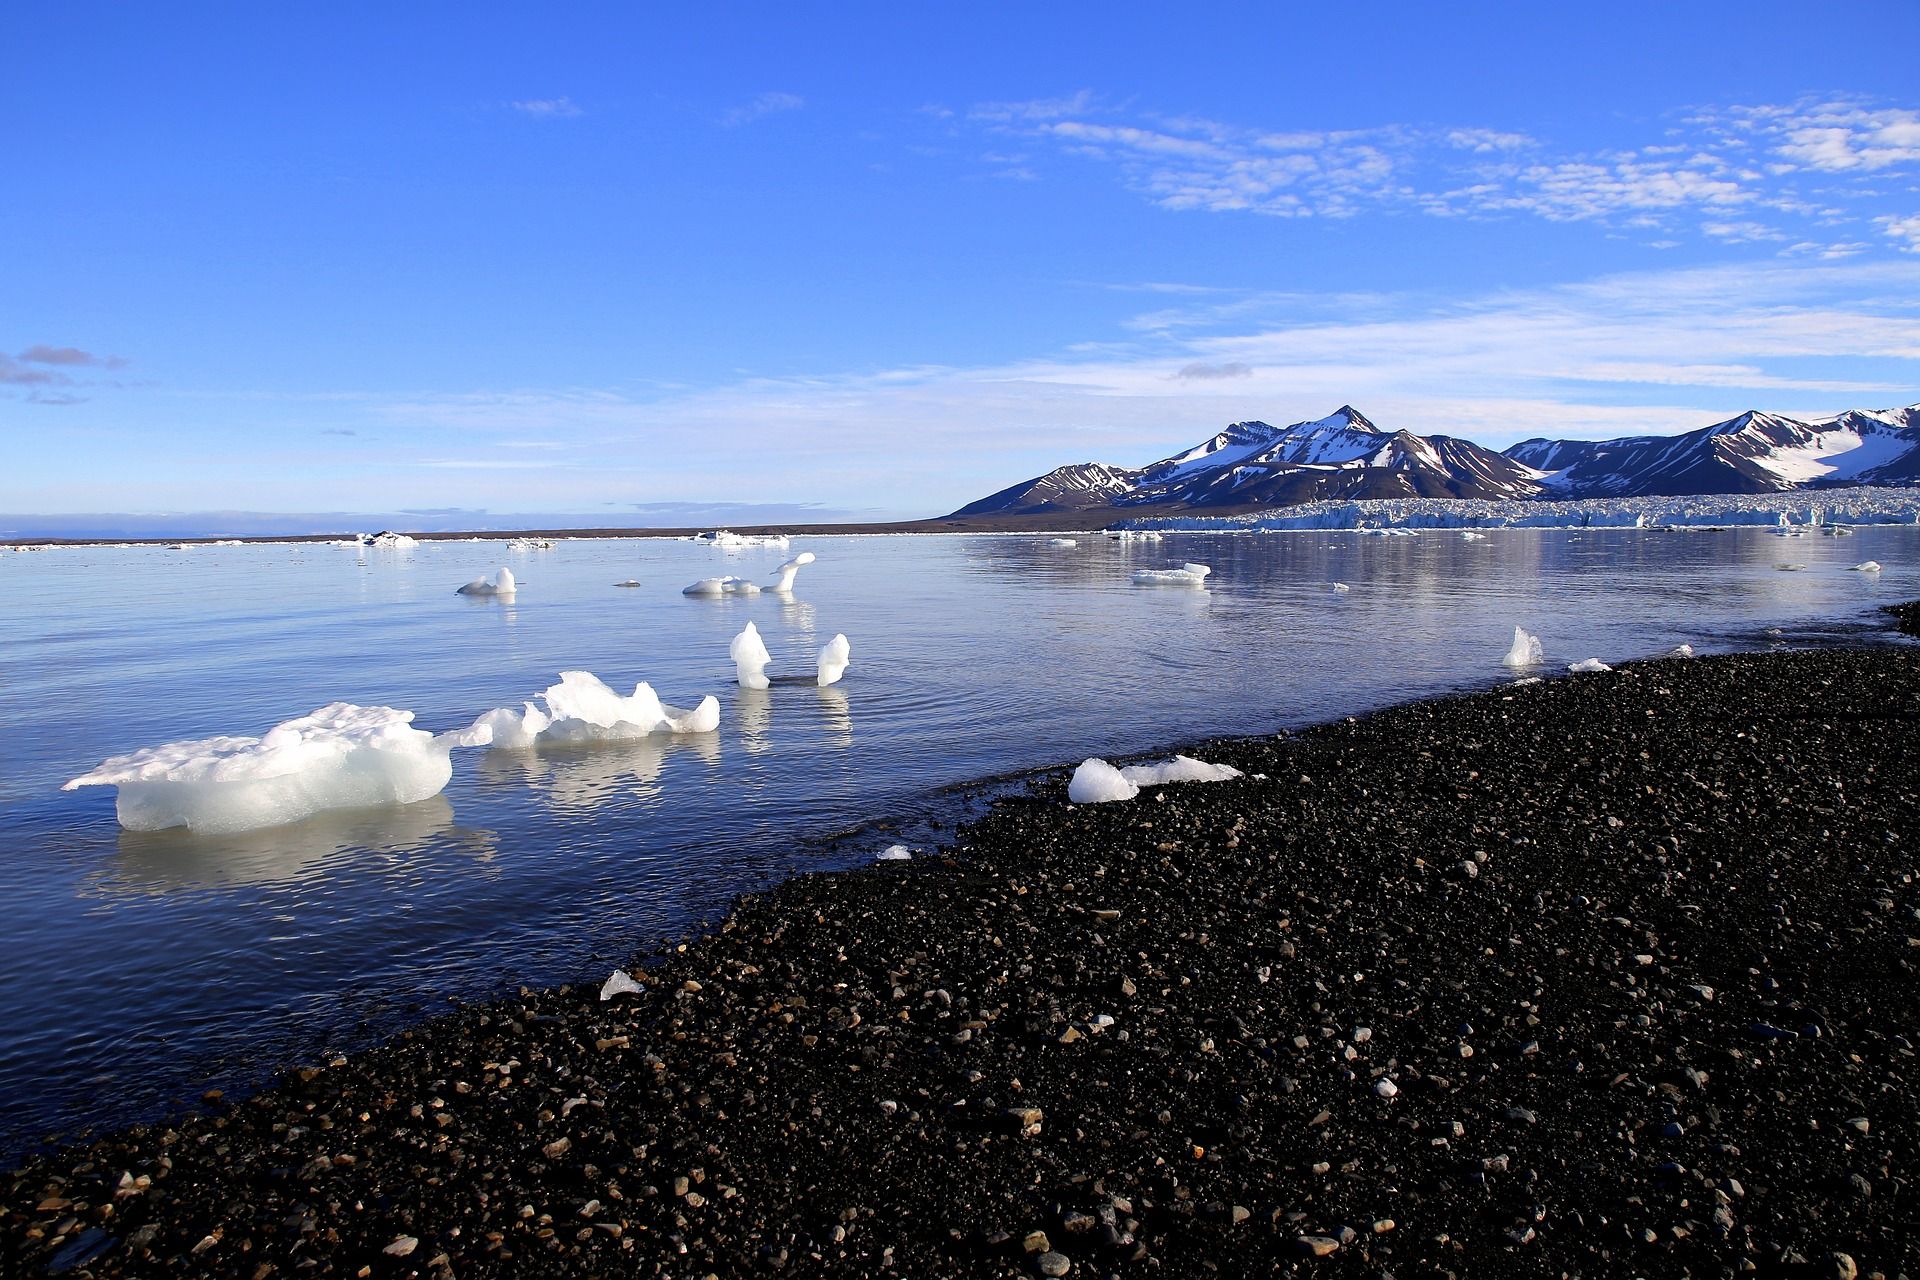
[[1253, 465]]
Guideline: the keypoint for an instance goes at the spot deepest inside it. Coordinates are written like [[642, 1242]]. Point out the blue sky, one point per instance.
[[886, 259]]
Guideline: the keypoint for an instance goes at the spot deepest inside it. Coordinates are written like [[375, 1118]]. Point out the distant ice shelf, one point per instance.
[[1833, 509]]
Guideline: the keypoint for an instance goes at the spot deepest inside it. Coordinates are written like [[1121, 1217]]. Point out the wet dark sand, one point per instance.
[[1609, 975]]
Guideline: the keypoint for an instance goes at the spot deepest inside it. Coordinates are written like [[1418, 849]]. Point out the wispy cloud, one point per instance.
[[1907, 229], [547, 108], [41, 368], [1201, 371], [1749, 175], [766, 104]]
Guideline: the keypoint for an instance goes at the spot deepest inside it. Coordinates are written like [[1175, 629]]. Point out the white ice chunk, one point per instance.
[[1338, 586], [620, 984], [1867, 566], [784, 579], [895, 853], [1178, 769], [581, 708], [727, 586], [750, 658], [500, 584], [834, 656], [727, 540], [341, 756], [1588, 667], [630, 582], [392, 541], [1187, 575], [1063, 542], [1470, 536], [530, 544], [1680, 651], [1525, 651], [1096, 782]]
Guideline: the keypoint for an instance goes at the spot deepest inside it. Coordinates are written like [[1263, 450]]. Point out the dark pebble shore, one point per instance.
[[1610, 975]]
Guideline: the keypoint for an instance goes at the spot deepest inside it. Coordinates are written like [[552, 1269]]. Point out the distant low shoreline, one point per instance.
[[1605, 974]]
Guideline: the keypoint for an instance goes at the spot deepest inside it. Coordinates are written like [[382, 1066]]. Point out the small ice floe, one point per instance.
[[341, 756], [1680, 651], [1136, 535], [834, 656], [500, 584], [1187, 575], [894, 853], [1790, 568], [727, 586], [581, 709], [750, 658], [1866, 566], [727, 540], [630, 582], [1471, 536], [530, 544], [1528, 680], [1525, 650], [783, 576], [1338, 586], [1097, 782], [1588, 667], [1063, 542], [387, 541], [620, 984]]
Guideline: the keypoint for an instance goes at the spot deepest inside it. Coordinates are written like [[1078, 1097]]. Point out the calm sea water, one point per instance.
[[140, 968]]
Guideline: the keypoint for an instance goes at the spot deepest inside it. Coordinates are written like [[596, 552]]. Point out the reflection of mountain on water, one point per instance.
[[166, 861], [588, 774]]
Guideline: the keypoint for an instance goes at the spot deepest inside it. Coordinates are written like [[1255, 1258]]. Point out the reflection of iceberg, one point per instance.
[[500, 584], [583, 709], [783, 581], [579, 777], [1187, 575], [157, 861], [755, 708], [338, 757], [834, 656], [1097, 782], [1526, 650], [839, 717], [750, 658]]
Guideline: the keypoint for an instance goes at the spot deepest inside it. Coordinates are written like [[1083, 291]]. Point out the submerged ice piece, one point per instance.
[[783, 580], [1187, 575], [750, 658], [1097, 782], [727, 586], [500, 584], [1063, 542], [341, 756], [1525, 651], [834, 656], [581, 708]]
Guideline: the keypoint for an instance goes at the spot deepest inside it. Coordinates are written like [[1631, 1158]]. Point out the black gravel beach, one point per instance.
[[1606, 975]]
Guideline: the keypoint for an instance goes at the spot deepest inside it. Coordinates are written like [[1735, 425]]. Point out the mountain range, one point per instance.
[[1252, 465]]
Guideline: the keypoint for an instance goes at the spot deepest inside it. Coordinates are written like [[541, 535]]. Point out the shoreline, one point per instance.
[[808, 1067]]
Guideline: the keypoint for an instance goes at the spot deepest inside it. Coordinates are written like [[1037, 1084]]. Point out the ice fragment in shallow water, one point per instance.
[[834, 656], [727, 586], [341, 756], [783, 581], [1338, 586], [1588, 667], [500, 584], [895, 853], [1187, 575], [1096, 782], [1680, 651], [581, 708], [1525, 650], [1867, 566], [750, 658], [620, 984]]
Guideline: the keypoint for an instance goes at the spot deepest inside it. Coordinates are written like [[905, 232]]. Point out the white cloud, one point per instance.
[[1907, 229], [767, 104], [547, 108]]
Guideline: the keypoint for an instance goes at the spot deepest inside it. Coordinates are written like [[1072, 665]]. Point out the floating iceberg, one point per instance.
[[581, 708], [620, 984], [784, 580], [834, 656], [727, 586], [1588, 667], [500, 584], [391, 541], [1187, 575], [1063, 542], [341, 756], [1525, 651], [729, 541], [1097, 782], [1867, 566], [750, 658], [894, 853], [1338, 586]]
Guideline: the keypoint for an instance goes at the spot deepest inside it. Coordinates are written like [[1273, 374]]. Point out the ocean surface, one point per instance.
[[138, 969]]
